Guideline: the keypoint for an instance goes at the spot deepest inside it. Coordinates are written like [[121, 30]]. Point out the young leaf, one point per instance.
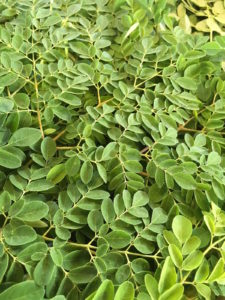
[[125, 291], [182, 228], [204, 291], [193, 261], [152, 286], [105, 291], [174, 293], [168, 276], [175, 255], [203, 271], [217, 271], [56, 174]]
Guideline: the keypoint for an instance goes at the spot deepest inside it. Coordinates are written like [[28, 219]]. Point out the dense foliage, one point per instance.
[[111, 151]]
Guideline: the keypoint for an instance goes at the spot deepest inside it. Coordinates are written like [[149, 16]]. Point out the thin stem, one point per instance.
[[143, 174], [47, 231], [104, 102], [37, 97], [39, 122], [182, 128], [140, 254], [59, 135], [212, 245], [144, 149], [93, 249], [99, 96], [65, 147]]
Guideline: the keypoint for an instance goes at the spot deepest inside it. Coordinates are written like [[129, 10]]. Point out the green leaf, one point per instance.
[[18, 235], [83, 274], [52, 20], [102, 43], [204, 291], [8, 160], [109, 151], [191, 245], [70, 99], [72, 166], [6, 105], [193, 261], [217, 271], [117, 4], [5, 201], [79, 47], [187, 83], [118, 239], [107, 210], [133, 166], [125, 291], [168, 276], [152, 286], [33, 211], [97, 194], [4, 262], [105, 291], [17, 42], [86, 70], [22, 100], [174, 293], [56, 256], [39, 185], [95, 220], [48, 148], [182, 228], [185, 181], [102, 172], [210, 222], [24, 137], [56, 174], [213, 158], [140, 199], [158, 216], [203, 271], [8, 79], [86, 172], [22, 290], [175, 255], [44, 271], [144, 246]]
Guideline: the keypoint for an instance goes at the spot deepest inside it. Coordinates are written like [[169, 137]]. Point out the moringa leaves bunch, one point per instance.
[[112, 164], [202, 15]]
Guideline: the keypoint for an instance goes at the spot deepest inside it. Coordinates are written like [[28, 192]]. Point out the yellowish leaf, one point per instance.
[[131, 29], [200, 3], [221, 18], [185, 24], [213, 26], [218, 8], [202, 26], [181, 11]]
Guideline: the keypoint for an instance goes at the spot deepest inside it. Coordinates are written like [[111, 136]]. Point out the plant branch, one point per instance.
[[59, 135]]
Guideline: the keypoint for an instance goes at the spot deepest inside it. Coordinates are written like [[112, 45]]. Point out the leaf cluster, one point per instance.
[[111, 153]]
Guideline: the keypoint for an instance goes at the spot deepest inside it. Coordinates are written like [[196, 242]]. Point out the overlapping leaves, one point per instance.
[[111, 153]]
